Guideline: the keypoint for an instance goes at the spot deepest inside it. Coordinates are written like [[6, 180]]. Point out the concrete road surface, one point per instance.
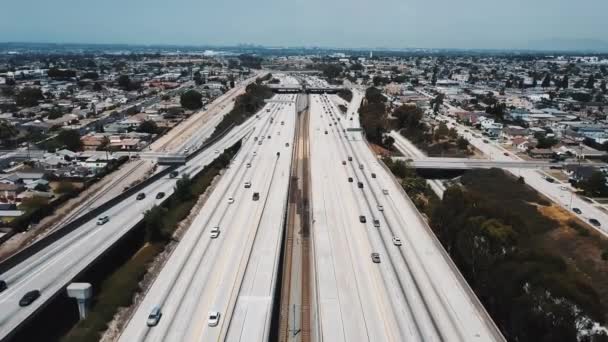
[[415, 293], [235, 273]]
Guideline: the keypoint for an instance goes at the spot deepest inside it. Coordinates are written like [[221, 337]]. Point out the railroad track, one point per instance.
[[306, 233]]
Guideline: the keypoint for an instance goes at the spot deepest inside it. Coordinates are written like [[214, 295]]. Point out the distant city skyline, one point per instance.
[[472, 24]]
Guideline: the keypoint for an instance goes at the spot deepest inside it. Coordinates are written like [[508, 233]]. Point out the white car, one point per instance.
[[380, 207], [247, 185], [230, 200], [154, 316], [102, 220], [385, 191], [214, 318], [396, 241], [215, 232], [255, 153], [248, 165]]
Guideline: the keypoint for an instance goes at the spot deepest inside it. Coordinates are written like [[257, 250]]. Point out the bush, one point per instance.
[[65, 187], [192, 100], [346, 94]]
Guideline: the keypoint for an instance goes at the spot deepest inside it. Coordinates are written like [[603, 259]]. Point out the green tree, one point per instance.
[[65, 187], [331, 70], [91, 75], [29, 97], [148, 126], [441, 131], [192, 100], [388, 142], [60, 73], [183, 191], [70, 139], [153, 222], [104, 145], [595, 185], [408, 116], [565, 82], [462, 143], [546, 81], [7, 131], [123, 81], [437, 102], [590, 82]]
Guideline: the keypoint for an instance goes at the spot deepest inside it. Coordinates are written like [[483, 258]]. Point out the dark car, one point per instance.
[[160, 195], [140, 196], [595, 222], [173, 174], [350, 158], [350, 179], [29, 298], [360, 185], [376, 258], [577, 210], [550, 180], [344, 162], [2, 285], [373, 175], [256, 196], [362, 219]]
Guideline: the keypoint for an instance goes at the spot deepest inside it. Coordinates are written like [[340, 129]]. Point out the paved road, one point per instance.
[[559, 192], [415, 293], [235, 274], [469, 163], [51, 269]]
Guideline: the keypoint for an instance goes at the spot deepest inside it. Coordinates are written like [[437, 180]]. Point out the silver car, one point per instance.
[[154, 316]]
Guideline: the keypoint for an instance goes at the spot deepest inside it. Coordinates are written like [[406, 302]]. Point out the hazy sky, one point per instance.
[[339, 23]]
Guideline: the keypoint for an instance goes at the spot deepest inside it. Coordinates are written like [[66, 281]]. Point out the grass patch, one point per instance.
[[115, 292]]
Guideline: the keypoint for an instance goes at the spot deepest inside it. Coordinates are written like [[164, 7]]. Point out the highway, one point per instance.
[[415, 293], [236, 273], [52, 268]]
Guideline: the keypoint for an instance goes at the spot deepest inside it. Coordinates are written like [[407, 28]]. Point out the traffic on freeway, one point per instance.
[[380, 274], [52, 268], [220, 280]]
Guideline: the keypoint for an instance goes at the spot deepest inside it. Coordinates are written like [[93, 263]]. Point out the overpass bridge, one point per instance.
[[160, 157], [439, 163], [298, 89]]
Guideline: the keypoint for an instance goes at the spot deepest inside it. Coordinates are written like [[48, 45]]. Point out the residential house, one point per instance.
[[579, 173], [521, 143], [543, 153], [9, 192], [512, 131]]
